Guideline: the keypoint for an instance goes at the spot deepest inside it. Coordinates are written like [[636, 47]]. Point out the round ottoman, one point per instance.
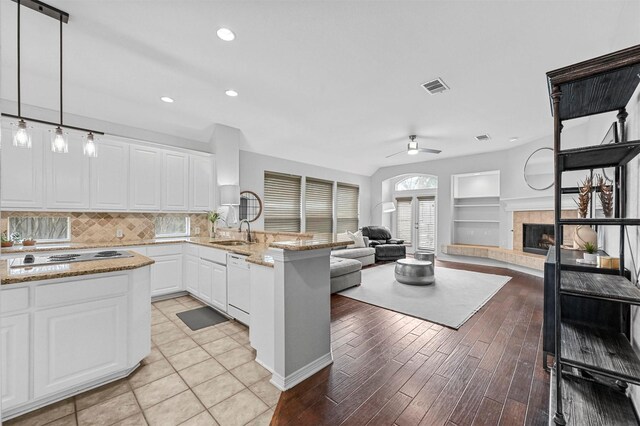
[[425, 255], [414, 272]]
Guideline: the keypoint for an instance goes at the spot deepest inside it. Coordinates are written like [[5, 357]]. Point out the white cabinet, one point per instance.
[[145, 178], [166, 274], [21, 178], [110, 176], [175, 179], [205, 281], [67, 177], [191, 266], [219, 287], [14, 359], [76, 343], [201, 183]]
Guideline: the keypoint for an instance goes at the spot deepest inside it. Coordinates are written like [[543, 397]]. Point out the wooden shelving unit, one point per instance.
[[583, 350]]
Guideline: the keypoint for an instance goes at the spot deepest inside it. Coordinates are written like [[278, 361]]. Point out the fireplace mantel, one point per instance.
[[542, 202]]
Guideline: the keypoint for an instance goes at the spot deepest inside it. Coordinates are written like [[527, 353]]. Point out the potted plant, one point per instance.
[[213, 218], [6, 241], [590, 252], [29, 242]]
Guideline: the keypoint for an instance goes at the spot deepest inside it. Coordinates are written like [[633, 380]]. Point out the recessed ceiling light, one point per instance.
[[166, 99], [225, 34], [513, 139], [231, 93]]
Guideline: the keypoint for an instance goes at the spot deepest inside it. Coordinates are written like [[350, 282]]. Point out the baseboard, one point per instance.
[[263, 365], [285, 383], [169, 296]]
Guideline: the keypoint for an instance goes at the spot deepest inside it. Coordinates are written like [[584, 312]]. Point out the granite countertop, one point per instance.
[[63, 270], [320, 241]]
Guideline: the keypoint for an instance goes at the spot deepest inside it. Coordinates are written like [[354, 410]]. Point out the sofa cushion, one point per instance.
[[353, 253], [390, 252], [376, 232], [341, 266]]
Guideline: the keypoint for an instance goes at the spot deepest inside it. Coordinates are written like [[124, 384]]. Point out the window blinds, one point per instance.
[[282, 202], [403, 219], [427, 223], [347, 207], [318, 209]]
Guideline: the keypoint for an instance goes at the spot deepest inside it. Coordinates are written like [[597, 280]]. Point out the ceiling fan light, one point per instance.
[[21, 136], [412, 148], [90, 149], [59, 143]]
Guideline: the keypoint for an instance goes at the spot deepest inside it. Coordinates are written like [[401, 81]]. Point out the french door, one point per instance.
[[416, 222]]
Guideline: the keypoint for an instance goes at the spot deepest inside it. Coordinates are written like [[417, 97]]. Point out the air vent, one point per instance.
[[435, 86], [483, 138]]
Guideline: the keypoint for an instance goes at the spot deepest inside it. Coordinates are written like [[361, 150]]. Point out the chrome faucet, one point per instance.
[[248, 229]]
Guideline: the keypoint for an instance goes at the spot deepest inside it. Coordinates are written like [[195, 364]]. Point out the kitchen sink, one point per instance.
[[232, 243]]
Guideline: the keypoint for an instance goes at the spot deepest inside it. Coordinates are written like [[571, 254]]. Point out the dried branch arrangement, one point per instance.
[[584, 197], [606, 196]]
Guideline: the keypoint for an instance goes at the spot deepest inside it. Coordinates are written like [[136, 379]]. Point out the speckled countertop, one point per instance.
[[63, 270]]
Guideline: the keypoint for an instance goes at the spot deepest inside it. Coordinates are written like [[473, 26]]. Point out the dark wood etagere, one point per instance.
[[593, 365]]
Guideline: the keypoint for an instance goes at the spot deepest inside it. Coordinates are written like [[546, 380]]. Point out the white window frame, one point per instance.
[[51, 240], [187, 232]]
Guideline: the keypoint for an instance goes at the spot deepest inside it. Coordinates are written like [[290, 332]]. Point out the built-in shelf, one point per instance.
[[586, 402], [599, 156], [476, 205], [615, 288], [600, 351], [600, 221], [475, 221]]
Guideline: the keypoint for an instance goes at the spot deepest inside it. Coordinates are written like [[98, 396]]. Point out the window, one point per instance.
[[347, 207], [40, 228], [427, 223], [172, 226], [282, 202], [417, 182], [318, 209], [403, 219]]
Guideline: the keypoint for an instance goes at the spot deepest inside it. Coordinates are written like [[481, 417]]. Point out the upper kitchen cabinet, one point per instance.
[[67, 176], [175, 179], [145, 184], [201, 183], [21, 176], [110, 176]]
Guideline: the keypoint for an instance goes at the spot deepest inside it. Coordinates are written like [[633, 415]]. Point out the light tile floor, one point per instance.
[[204, 377]]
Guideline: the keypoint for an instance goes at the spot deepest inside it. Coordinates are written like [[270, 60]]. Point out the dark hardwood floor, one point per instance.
[[391, 368]]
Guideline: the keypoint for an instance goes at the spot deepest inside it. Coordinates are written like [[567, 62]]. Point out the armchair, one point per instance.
[[387, 248]]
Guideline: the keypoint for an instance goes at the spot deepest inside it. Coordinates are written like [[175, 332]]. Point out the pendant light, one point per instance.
[[58, 136], [21, 135]]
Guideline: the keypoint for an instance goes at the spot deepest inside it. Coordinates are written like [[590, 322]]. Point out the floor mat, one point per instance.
[[203, 317]]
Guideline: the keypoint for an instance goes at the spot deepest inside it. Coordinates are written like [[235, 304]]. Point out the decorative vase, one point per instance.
[[7, 244], [584, 234], [212, 230]]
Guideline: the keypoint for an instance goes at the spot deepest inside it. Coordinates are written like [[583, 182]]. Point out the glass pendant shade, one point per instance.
[[90, 149], [59, 142], [412, 149], [21, 135]]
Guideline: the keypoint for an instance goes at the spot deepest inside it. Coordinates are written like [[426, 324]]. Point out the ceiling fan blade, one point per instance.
[[399, 152], [430, 151]]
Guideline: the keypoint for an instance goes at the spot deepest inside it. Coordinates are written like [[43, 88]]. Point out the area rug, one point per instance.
[[451, 301]]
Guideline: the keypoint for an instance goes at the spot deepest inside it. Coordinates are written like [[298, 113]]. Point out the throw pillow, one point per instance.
[[358, 239]]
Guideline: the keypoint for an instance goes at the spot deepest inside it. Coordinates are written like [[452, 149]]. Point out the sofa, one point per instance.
[[365, 255], [345, 273], [386, 247]]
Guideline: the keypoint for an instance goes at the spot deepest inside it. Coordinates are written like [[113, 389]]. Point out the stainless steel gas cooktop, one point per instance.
[[31, 260]]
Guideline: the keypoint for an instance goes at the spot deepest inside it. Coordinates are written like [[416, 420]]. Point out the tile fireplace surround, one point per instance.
[[539, 217]]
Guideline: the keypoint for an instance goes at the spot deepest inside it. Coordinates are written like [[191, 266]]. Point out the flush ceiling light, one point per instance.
[[166, 99], [225, 34], [513, 139], [231, 93]]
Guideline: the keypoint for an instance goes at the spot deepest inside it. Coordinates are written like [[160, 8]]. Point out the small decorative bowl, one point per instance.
[[29, 242], [7, 244]]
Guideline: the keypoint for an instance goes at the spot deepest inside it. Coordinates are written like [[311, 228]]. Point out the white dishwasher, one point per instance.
[[239, 287]]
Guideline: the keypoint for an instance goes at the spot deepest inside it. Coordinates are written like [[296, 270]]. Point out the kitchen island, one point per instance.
[[70, 327]]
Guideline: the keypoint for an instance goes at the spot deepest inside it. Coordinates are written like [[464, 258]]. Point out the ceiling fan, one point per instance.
[[413, 149]]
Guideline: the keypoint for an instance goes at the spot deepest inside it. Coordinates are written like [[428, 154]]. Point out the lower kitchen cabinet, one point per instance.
[[205, 280], [166, 274], [14, 338], [191, 266], [77, 343], [219, 287]]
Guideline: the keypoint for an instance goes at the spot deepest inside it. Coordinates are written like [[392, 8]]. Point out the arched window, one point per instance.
[[417, 182]]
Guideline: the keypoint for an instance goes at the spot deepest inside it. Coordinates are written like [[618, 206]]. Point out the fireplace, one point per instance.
[[537, 237]]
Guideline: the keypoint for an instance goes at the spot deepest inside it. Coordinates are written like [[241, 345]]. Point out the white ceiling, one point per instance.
[[331, 83]]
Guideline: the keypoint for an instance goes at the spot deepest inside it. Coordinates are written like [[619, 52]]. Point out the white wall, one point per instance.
[[253, 166]]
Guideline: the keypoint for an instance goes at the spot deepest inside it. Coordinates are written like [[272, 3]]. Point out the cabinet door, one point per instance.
[[205, 280], [166, 275], [21, 178], [78, 343], [67, 176], [200, 183], [175, 181], [145, 178], [14, 338], [110, 176], [219, 296], [191, 274]]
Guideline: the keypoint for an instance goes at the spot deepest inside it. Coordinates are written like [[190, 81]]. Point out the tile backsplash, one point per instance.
[[101, 227]]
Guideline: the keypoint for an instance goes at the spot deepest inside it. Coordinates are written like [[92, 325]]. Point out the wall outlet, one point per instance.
[[197, 230], [119, 233]]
